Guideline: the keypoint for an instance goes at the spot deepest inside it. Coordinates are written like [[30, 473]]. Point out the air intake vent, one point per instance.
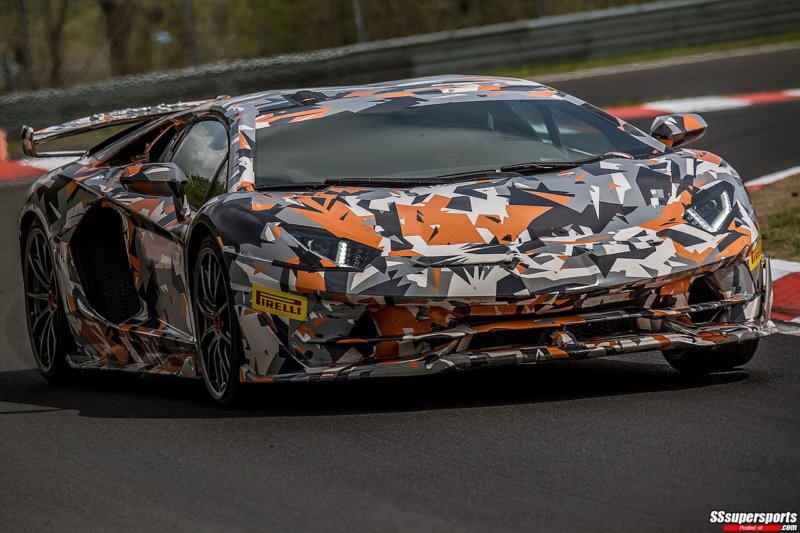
[[701, 292], [101, 260], [506, 338], [305, 97], [602, 328]]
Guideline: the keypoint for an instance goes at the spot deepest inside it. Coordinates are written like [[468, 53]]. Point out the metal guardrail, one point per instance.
[[651, 26]]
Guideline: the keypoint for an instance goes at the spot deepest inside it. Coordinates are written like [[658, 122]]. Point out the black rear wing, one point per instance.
[[32, 139]]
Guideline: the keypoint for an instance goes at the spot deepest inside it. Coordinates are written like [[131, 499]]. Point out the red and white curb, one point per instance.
[[786, 290], [13, 171], [703, 104], [771, 178]]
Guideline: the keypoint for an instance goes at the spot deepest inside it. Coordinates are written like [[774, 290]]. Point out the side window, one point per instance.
[[200, 154], [157, 147]]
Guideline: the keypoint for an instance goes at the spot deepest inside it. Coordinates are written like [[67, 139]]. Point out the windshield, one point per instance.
[[426, 141]]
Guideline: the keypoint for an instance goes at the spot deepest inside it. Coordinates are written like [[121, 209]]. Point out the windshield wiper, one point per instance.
[[376, 182], [550, 165], [432, 180], [309, 186]]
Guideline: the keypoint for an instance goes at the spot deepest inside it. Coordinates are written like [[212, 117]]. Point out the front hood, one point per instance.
[[605, 223]]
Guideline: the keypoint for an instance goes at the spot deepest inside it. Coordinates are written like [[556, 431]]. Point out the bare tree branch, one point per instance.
[[55, 17], [117, 18]]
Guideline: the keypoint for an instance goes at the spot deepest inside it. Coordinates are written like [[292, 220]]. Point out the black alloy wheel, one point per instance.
[[216, 325], [46, 317]]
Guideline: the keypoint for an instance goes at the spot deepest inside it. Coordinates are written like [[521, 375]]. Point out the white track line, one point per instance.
[[772, 178], [702, 104], [47, 163], [788, 328]]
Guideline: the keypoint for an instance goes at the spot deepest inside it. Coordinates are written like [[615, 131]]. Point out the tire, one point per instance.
[[219, 344], [46, 317], [706, 360]]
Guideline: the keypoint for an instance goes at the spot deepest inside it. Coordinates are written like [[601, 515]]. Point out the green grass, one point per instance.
[[526, 71], [778, 208], [781, 235]]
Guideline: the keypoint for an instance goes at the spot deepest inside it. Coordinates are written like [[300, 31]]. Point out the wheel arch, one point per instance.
[[200, 230], [26, 220]]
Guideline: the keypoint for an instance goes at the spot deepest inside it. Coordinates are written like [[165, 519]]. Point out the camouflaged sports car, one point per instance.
[[396, 229]]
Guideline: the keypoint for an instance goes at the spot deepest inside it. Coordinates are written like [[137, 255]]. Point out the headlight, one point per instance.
[[345, 253], [710, 209]]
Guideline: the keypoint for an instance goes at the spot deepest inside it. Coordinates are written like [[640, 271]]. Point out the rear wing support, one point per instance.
[[31, 139]]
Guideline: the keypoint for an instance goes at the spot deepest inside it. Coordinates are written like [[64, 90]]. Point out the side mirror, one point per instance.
[[677, 130], [158, 179]]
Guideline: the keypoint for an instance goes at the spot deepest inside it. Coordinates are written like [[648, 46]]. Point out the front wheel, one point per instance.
[[219, 346], [698, 360], [48, 330]]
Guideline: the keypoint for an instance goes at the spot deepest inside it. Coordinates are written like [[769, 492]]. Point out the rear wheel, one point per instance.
[[218, 337], [46, 317], [717, 359]]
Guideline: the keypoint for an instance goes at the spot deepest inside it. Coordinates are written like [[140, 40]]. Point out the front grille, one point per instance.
[[604, 328], [503, 338], [615, 320], [542, 337]]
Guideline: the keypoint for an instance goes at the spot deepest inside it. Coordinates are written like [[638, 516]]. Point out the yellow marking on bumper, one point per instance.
[[279, 303]]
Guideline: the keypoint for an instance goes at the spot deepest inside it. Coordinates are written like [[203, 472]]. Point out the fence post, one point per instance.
[[358, 16]]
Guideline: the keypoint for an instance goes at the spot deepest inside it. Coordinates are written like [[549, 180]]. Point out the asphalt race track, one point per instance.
[[623, 443], [756, 140], [772, 70]]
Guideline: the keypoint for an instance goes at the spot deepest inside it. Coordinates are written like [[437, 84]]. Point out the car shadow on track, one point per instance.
[[111, 395]]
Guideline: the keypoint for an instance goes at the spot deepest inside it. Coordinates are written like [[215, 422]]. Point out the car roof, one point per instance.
[[421, 88]]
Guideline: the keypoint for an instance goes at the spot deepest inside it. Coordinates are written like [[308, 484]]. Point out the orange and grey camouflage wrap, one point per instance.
[[682, 128], [506, 269]]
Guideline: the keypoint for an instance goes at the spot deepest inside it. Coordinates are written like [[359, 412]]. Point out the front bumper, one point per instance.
[[468, 360], [740, 314]]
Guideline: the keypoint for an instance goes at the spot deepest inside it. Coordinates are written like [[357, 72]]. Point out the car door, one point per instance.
[[200, 149]]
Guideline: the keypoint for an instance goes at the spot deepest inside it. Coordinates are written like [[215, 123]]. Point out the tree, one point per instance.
[[55, 16], [118, 21]]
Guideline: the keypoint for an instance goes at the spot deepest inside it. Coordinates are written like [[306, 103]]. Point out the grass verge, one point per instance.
[[778, 209]]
